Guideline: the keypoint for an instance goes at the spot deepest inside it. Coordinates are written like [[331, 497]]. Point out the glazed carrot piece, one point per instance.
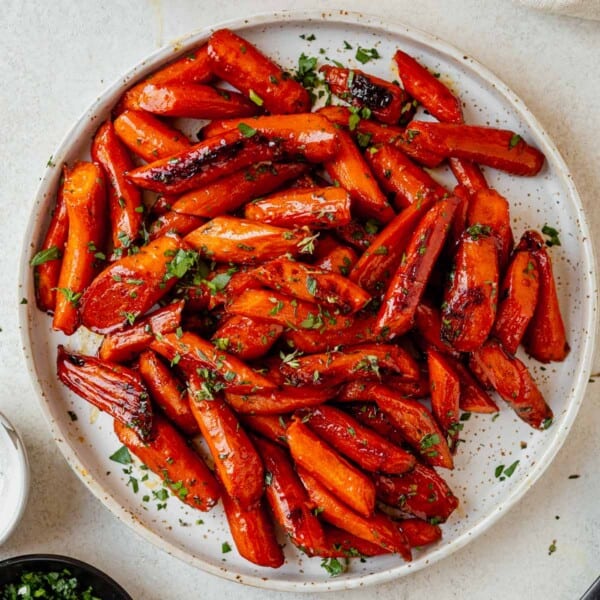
[[410, 389], [307, 135], [427, 89], [363, 446], [162, 204], [130, 286], [371, 416], [237, 464], [381, 259], [174, 223], [240, 241], [398, 175], [470, 300], [190, 352], [468, 174], [358, 362], [85, 199], [388, 102], [333, 257], [313, 285], [420, 533], [205, 162], [518, 300], [273, 427], [341, 544], [194, 101], [318, 208], [240, 63], [489, 210], [545, 338], [420, 492], [48, 261], [513, 382], [126, 344], [168, 455], [356, 330], [112, 388], [497, 148], [192, 68], [416, 423], [167, 392], [359, 234], [280, 401], [125, 206], [148, 137], [428, 324], [445, 395], [246, 338], [288, 500], [459, 223], [377, 528], [349, 169], [397, 312], [253, 533], [232, 191], [341, 478], [370, 132]]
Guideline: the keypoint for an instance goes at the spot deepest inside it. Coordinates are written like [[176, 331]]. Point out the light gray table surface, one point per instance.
[[57, 57]]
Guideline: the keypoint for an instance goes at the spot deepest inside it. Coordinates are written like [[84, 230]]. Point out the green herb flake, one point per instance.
[[334, 566], [121, 456], [246, 130], [364, 55], [514, 141], [311, 285], [552, 548], [347, 46], [43, 256], [256, 99], [225, 547], [70, 295], [552, 234]]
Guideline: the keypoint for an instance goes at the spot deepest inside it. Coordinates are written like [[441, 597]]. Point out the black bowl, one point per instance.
[[103, 586]]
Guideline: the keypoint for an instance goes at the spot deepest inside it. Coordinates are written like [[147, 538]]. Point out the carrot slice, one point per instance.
[[272, 427], [468, 174], [334, 257], [174, 223], [343, 544], [428, 324], [246, 338], [420, 533], [370, 415]]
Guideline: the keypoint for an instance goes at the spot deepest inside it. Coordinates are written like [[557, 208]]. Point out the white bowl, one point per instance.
[[550, 197], [14, 478]]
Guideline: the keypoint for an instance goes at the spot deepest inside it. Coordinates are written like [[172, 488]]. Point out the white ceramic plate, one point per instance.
[[548, 198]]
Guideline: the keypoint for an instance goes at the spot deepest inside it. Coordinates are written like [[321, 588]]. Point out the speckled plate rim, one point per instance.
[[587, 255]]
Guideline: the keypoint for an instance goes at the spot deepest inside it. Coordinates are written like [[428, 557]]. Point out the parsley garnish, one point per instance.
[[121, 456], [246, 130], [334, 567], [552, 234], [44, 256], [514, 140], [364, 55]]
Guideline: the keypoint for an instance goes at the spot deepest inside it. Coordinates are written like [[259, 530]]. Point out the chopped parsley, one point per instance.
[[121, 456], [364, 55], [552, 234], [514, 140], [55, 584], [334, 566], [43, 256], [246, 130]]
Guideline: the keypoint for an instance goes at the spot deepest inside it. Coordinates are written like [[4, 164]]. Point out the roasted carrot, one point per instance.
[[288, 500], [428, 324], [241, 64], [237, 464], [363, 446], [114, 389], [427, 89], [358, 233], [272, 427], [174, 223], [444, 383], [371, 416], [388, 102], [148, 137], [378, 528], [280, 401], [318, 208], [398, 175], [313, 285], [349, 169], [224, 371], [131, 285], [513, 382], [48, 261], [342, 544], [85, 199], [125, 206], [468, 174], [420, 533], [246, 338], [471, 298], [230, 192], [168, 455], [397, 312], [126, 344], [252, 532], [420, 492], [334, 257], [341, 478], [545, 338], [518, 300], [497, 148], [169, 394]]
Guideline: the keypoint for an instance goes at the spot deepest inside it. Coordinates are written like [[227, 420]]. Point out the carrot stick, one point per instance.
[[174, 223], [279, 401], [246, 338]]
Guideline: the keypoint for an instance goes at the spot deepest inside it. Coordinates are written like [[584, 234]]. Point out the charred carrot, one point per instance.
[[371, 416], [358, 233], [396, 315], [237, 464], [114, 389], [342, 479], [270, 426], [363, 446], [48, 261], [85, 199], [131, 285], [514, 383], [280, 401], [420, 533], [168, 455], [126, 344], [230, 192], [246, 338], [428, 323], [148, 137], [174, 223], [241, 64], [341, 544], [497, 148], [333, 257], [318, 208]]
